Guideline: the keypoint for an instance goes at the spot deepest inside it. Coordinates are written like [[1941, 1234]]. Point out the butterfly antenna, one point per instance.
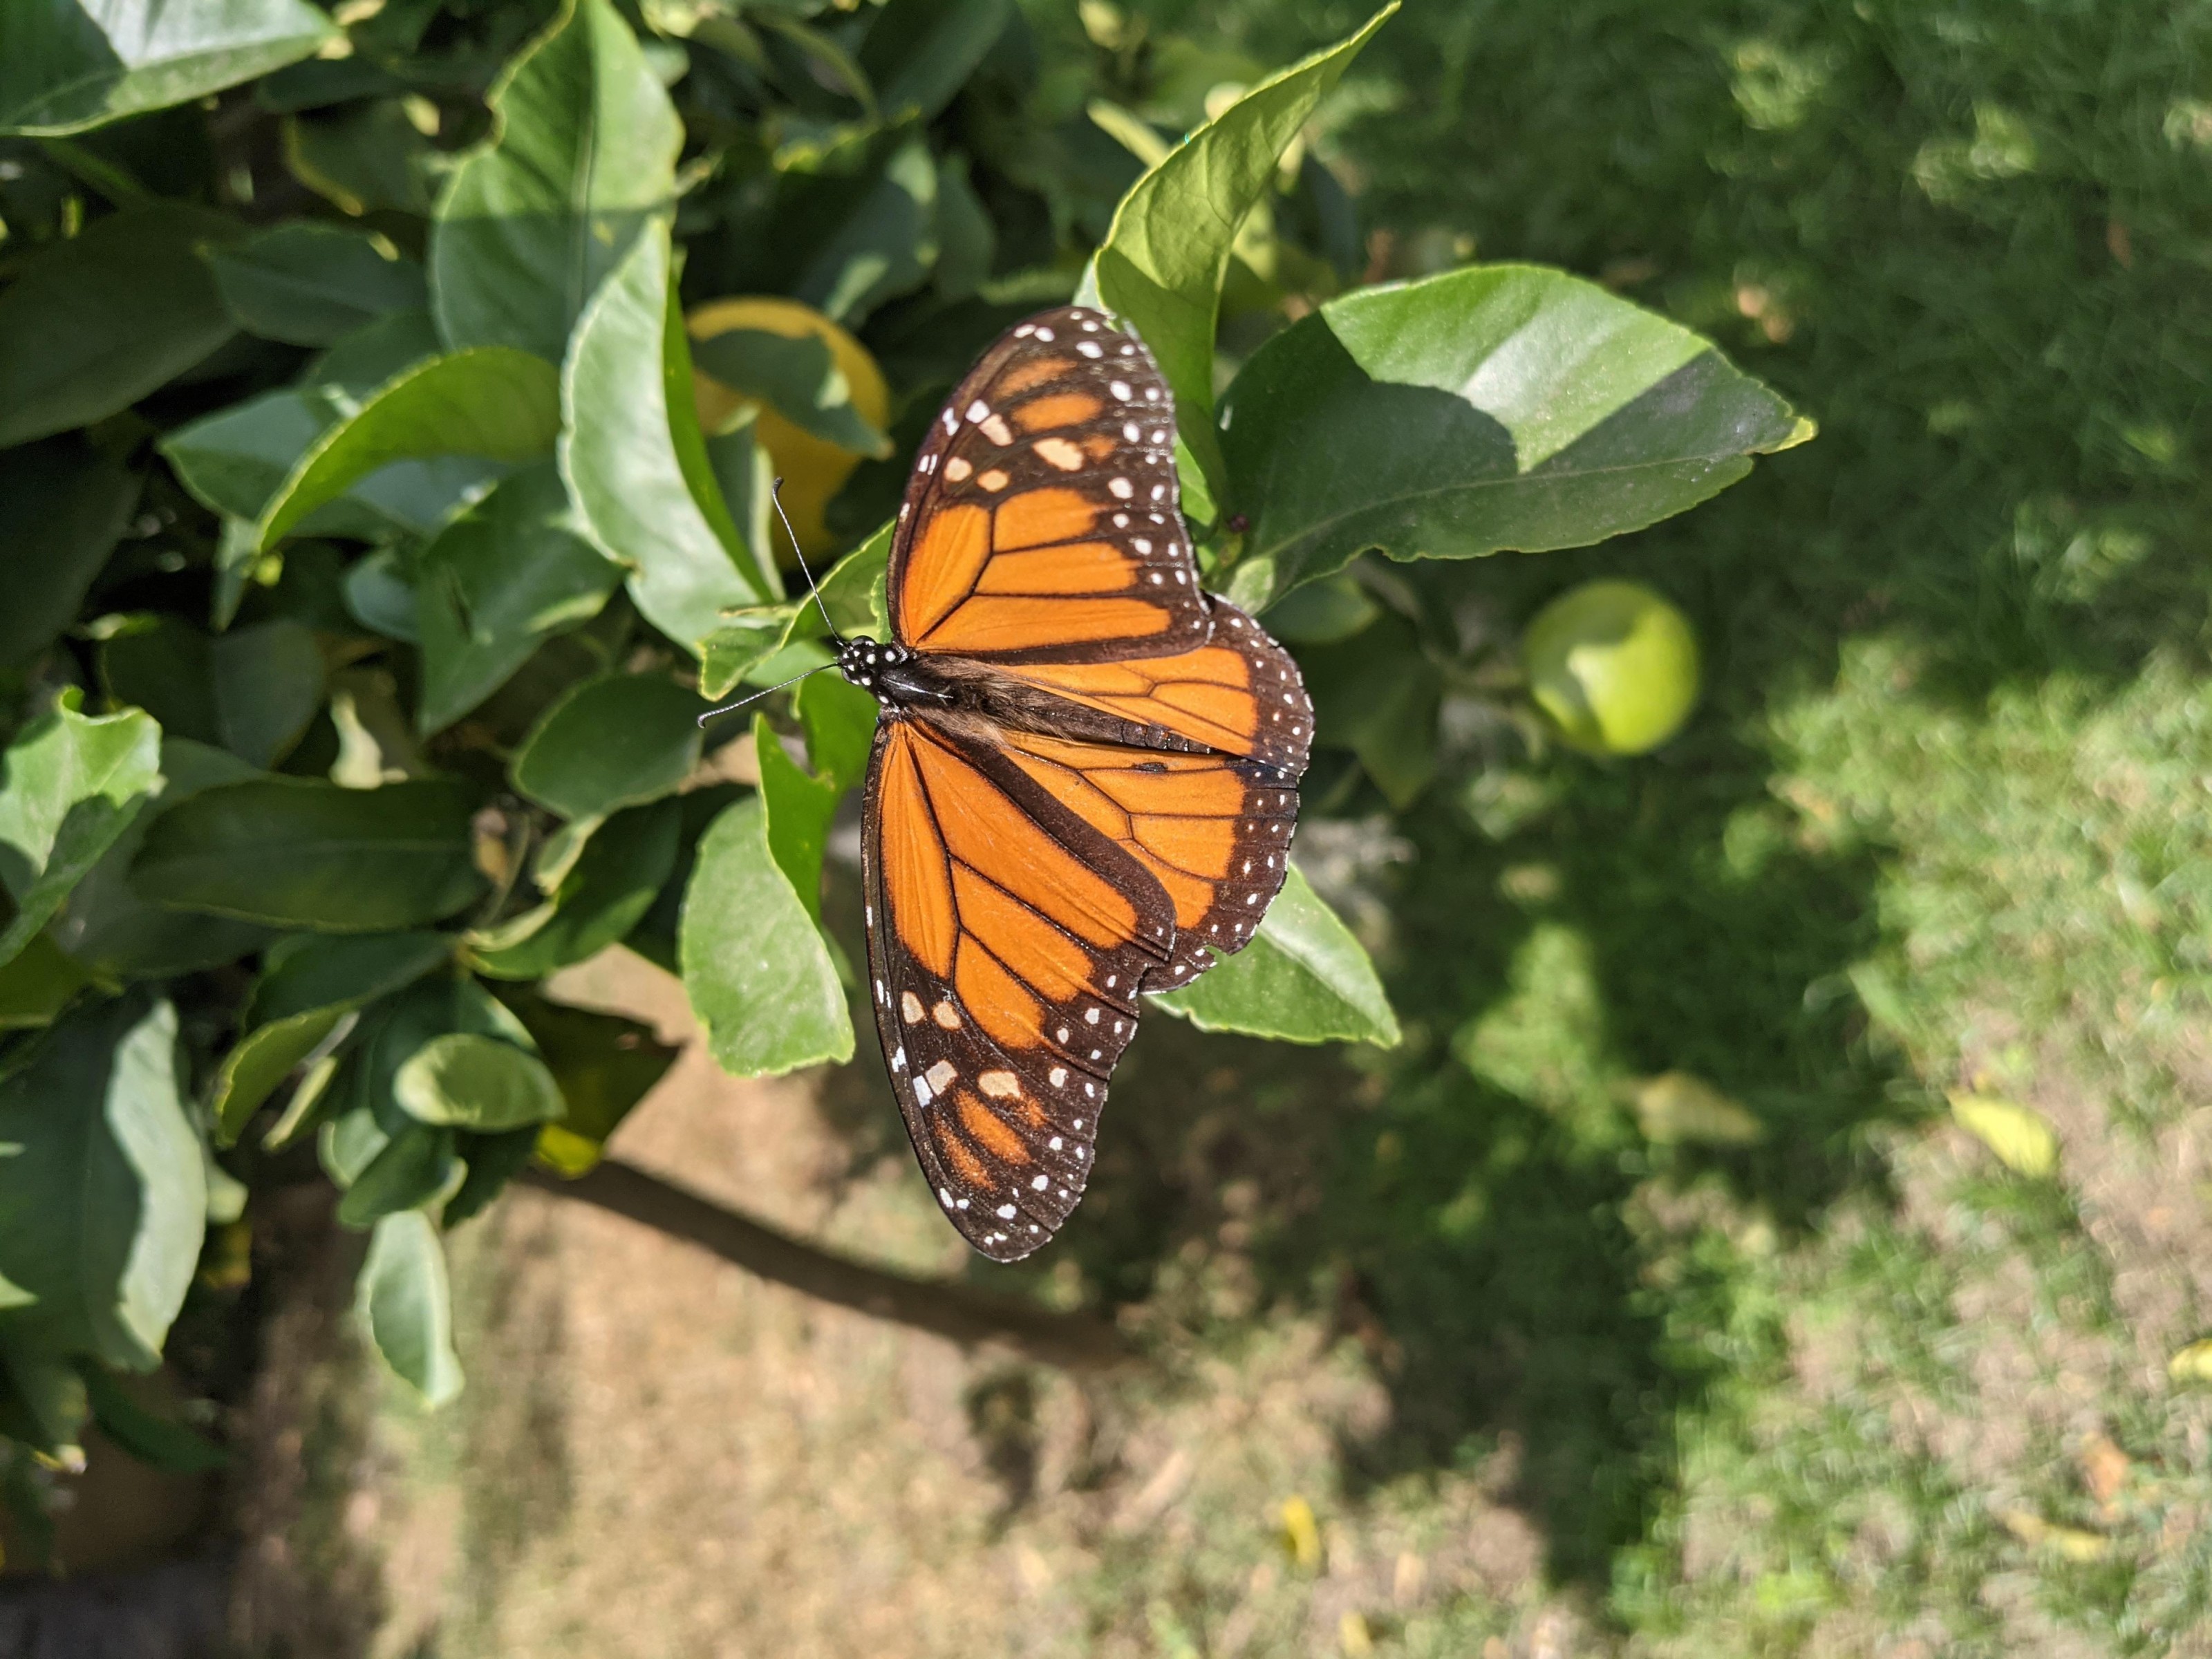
[[728, 707], [776, 495]]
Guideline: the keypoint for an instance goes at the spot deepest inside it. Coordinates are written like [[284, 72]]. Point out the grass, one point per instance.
[[1944, 820]]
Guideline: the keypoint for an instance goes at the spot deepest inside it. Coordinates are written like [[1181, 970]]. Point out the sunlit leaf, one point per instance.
[[635, 462], [70, 785], [583, 152], [103, 1207], [1162, 261], [760, 978], [603, 894], [69, 64], [464, 1081], [1302, 979], [491, 402], [616, 741], [405, 1300], [1498, 407]]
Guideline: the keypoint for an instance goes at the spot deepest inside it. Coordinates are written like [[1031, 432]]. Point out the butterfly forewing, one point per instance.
[[1007, 940], [1041, 521]]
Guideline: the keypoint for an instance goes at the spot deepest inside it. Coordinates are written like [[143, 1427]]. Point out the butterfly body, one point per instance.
[[1084, 779]]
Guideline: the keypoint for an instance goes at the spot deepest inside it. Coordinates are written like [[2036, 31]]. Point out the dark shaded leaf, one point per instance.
[[107, 927], [96, 322], [160, 1441], [63, 508], [604, 893], [311, 284], [297, 853], [885, 247], [919, 53], [414, 1168]]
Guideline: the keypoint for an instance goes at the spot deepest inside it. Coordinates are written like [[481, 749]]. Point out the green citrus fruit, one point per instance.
[[1613, 664]]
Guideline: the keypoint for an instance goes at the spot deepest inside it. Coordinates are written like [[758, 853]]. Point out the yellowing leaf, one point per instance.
[[2072, 1542], [2022, 1141]]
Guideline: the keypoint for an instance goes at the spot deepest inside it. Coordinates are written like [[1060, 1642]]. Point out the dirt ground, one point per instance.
[[659, 1455]]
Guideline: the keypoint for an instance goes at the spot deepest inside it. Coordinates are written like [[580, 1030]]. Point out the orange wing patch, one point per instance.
[[1007, 941], [1041, 518], [951, 555]]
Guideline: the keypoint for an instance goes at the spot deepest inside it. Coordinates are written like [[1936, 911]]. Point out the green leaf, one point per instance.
[[300, 853], [310, 971], [392, 1032], [493, 1161], [797, 376], [919, 53], [309, 986], [966, 240], [1378, 694], [69, 64], [800, 809], [1302, 979], [1162, 263], [636, 463], [618, 741], [366, 158], [468, 1082], [105, 925], [853, 593], [42, 1404], [603, 894], [583, 154], [69, 785], [489, 401], [885, 246], [312, 284], [160, 1441], [495, 584], [97, 321], [253, 692], [102, 1211], [839, 719], [1501, 406], [760, 978], [605, 1065], [408, 1305], [37, 984], [414, 1169], [63, 507]]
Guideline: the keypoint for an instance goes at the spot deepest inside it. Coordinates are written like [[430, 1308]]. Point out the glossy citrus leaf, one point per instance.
[[70, 785], [407, 1302], [1303, 978]]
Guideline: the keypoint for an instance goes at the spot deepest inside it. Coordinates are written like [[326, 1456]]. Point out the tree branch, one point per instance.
[[957, 1312]]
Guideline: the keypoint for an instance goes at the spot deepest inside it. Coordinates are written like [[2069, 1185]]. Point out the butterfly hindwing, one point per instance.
[[1006, 941], [1040, 523]]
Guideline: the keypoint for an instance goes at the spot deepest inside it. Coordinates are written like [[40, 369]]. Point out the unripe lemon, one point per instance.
[[812, 469], [1613, 664]]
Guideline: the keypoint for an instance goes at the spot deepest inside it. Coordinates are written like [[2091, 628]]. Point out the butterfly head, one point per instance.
[[869, 666]]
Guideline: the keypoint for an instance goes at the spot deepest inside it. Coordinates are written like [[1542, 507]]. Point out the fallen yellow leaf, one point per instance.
[[1351, 1636], [2072, 1542], [2022, 1141], [2193, 1363], [1679, 1106], [1301, 1536]]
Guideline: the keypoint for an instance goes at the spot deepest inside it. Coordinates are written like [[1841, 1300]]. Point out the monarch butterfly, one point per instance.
[[1084, 773]]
